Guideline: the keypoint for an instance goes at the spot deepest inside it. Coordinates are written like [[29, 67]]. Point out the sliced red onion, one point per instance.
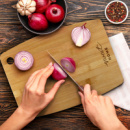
[[68, 64], [80, 35], [23, 60], [58, 73]]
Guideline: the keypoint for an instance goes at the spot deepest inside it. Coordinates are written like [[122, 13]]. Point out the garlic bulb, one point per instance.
[[26, 7], [80, 35]]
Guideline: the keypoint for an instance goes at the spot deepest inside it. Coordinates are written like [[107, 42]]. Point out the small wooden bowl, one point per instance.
[[52, 26]]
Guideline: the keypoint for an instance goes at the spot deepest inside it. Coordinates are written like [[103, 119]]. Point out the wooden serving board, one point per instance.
[[96, 64]]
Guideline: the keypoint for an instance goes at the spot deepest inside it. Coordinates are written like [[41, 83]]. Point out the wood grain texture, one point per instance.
[[12, 33], [94, 69]]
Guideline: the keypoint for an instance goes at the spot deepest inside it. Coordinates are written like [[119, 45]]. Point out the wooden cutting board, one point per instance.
[[96, 64]]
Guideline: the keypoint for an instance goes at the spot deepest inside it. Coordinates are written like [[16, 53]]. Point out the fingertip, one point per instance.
[[61, 81], [51, 68], [50, 64], [79, 93], [87, 85], [87, 90]]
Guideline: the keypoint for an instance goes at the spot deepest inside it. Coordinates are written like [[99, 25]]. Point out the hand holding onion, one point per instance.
[[34, 97], [68, 64]]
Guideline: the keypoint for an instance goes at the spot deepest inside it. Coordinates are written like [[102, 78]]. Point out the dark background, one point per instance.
[[12, 33]]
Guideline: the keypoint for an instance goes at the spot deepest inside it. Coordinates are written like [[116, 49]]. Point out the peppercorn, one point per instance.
[[116, 12]]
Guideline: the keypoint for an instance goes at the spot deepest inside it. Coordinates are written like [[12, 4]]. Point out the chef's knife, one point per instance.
[[80, 87]]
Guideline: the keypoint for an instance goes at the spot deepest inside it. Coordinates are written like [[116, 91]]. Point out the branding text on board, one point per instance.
[[104, 52]]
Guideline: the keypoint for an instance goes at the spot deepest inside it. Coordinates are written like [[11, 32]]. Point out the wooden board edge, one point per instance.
[[122, 82], [1, 59]]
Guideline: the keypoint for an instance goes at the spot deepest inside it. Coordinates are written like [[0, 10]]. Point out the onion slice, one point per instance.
[[23, 60], [58, 73], [69, 64]]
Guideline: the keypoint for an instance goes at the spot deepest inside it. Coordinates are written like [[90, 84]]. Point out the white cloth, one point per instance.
[[121, 95]]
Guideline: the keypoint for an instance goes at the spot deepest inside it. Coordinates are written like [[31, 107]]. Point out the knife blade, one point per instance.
[[80, 87]]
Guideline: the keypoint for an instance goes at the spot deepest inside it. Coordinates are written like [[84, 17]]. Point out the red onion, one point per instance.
[[58, 73], [68, 64], [55, 13], [80, 35], [23, 60], [42, 5], [37, 22]]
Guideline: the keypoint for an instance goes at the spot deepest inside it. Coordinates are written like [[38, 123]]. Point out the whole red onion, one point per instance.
[[55, 13], [41, 5], [37, 22]]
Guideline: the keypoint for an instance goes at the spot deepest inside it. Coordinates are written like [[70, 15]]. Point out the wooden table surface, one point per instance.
[[12, 33]]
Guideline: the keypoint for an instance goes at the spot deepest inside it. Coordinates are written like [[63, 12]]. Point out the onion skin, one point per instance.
[[42, 5], [58, 73], [55, 13], [80, 35], [68, 64], [37, 22], [23, 60]]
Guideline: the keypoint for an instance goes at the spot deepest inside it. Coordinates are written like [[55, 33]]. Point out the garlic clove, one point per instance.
[[27, 12], [33, 4], [18, 6], [24, 2], [19, 10], [22, 12], [21, 3], [31, 9], [28, 2]]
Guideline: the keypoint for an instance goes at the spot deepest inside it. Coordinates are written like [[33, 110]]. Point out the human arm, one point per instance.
[[100, 110], [34, 99]]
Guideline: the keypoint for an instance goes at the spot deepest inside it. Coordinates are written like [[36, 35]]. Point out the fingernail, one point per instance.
[[50, 64]]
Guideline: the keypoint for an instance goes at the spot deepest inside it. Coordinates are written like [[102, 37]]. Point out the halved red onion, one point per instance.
[[58, 73], [69, 64], [23, 60], [80, 35]]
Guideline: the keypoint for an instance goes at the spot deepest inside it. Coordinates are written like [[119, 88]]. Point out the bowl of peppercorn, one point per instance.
[[116, 12]]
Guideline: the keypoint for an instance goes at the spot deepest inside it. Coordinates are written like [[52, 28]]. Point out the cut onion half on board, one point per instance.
[[68, 64]]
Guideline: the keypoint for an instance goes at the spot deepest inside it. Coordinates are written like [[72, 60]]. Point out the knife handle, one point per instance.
[[81, 88]]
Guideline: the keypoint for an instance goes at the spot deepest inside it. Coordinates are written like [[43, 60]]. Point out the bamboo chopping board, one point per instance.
[[96, 64]]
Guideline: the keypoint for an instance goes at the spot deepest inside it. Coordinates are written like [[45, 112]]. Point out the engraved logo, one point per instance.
[[105, 53]]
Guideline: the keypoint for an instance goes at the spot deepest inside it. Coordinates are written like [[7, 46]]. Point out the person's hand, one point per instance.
[[34, 97], [100, 110]]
